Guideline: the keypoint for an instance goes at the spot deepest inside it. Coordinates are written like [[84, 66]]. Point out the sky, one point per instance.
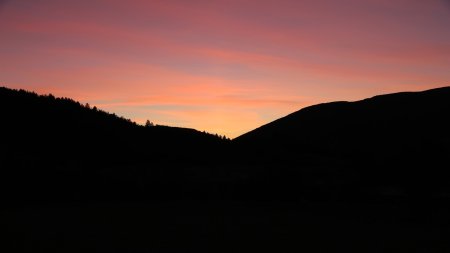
[[225, 67]]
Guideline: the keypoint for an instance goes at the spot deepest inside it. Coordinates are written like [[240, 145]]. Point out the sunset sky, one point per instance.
[[222, 66]]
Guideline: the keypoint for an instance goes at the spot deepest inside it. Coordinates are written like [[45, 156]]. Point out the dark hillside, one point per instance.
[[397, 143], [365, 176], [57, 143]]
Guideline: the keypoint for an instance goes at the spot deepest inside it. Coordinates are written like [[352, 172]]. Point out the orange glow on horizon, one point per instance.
[[226, 67]]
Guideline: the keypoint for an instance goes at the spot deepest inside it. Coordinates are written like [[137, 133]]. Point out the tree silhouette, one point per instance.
[[148, 123]]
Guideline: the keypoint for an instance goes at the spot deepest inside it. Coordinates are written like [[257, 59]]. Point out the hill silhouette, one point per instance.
[[396, 144], [388, 146], [364, 176], [59, 146]]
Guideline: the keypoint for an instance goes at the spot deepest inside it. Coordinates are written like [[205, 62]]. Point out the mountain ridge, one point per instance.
[[340, 149], [381, 96], [397, 141], [50, 143]]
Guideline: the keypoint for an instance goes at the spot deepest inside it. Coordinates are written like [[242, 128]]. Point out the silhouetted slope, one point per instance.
[[57, 142], [389, 145], [397, 142], [393, 148]]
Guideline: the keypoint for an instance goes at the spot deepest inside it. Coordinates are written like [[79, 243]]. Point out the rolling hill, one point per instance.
[[56, 146], [364, 176], [398, 143], [388, 146]]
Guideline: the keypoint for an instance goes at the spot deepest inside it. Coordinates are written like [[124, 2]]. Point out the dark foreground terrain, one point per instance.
[[224, 227], [365, 176]]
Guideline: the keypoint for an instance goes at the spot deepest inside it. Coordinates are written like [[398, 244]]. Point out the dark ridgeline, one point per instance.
[[57, 149], [395, 145], [389, 146], [365, 176]]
